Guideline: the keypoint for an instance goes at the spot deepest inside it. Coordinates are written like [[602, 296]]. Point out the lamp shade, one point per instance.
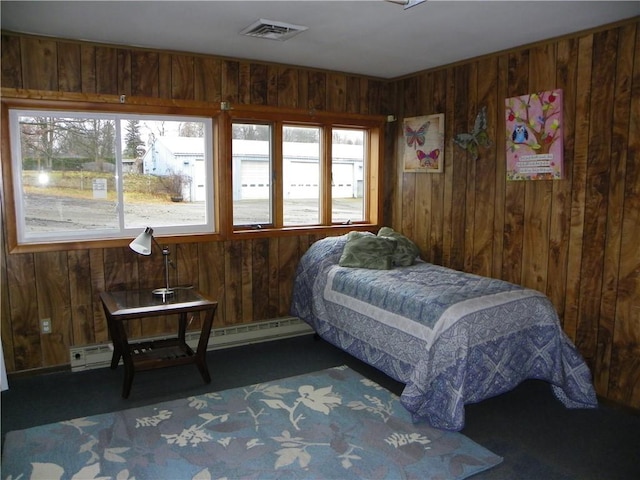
[[142, 243]]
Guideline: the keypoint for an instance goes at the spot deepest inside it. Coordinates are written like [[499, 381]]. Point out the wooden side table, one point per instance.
[[127, 305]]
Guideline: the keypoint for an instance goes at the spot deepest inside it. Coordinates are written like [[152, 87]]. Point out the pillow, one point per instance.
[[366, 250], [406, 252]]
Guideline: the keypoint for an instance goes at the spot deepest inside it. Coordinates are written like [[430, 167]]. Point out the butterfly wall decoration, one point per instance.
[[477, 138], [416, 138], [423, 143]]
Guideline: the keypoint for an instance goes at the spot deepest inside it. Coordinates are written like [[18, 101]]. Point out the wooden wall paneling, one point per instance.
[[372, 101], [288, 255], [148, 271], [461, 118], [393, 175], [244, 83], [388, 172], [124, 71], [450, 147], [303, 89], [537, 204], [337, 92], [145, 74], [486, 167], [97, 277], [317, 90], [258, 84], [88, 68], [185, 258], [106, 70], [233, 281], [582, 116], [207, 79], [597, 189], [126, 270], [500, 181], [260, 279], [80, 298], [560, 221], [211, 275], [422, 208], [39, 64], [469, 168], [11, 65], [408, 205], [69, 67], [379, 100], [305, 241], [515, 191], [6, 333], [186, 273], [287, 87], [164, 75], [624, 379], [272, 85], [435, 240], [274, 277], [353, 96], [25, 324], [51, 272], [247, 281], [230, 81], [182, 77], [411, 108], [616, 199], [363, 99]]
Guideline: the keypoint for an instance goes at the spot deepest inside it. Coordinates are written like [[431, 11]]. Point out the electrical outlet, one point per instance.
[[45, 325]]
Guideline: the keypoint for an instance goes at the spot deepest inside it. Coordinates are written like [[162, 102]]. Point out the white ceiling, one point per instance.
[[368, 37]]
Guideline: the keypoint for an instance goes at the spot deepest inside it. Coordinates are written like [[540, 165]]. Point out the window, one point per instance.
[[348, 175], [252, 164], [301, 175], [94, 175], [289, 174], [84, 174]]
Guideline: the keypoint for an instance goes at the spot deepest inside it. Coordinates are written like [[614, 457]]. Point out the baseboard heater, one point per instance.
[[99, 356]]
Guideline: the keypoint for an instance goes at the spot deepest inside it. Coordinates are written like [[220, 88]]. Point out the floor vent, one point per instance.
[[99, 356]]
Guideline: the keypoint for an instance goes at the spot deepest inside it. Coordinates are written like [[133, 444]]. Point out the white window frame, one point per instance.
[[24, 238]]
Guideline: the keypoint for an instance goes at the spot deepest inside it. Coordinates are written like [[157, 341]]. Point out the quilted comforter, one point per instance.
[[452, 338]]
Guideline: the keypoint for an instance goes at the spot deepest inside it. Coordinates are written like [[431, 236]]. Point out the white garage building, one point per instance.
[[185, 155]]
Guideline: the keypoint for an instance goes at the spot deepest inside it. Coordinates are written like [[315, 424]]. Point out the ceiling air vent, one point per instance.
[[272, 30]]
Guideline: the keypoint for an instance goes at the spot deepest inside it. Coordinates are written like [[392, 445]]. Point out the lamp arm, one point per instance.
[[164, 249]]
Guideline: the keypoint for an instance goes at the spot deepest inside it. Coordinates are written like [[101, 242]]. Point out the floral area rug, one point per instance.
[[332, 424]]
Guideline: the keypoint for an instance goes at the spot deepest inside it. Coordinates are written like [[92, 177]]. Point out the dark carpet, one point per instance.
[[538, 438]]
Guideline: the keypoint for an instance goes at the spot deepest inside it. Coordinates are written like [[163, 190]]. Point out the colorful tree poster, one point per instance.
[[534, 136]]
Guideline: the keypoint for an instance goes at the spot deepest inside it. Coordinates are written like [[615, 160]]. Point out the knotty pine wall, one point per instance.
[[252, 279], [576, 239]]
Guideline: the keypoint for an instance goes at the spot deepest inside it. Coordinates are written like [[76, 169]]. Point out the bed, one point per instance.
[[451, 337]]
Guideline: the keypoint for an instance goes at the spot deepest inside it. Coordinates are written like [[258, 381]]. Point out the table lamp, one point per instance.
[[142, 246]]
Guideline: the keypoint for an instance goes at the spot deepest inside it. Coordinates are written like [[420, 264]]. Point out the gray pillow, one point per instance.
[[406, 251], [365, 250]]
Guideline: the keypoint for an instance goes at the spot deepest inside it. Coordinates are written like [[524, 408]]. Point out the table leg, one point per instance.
[[121, 349], [115, 340], [201, 352], [182, 327]]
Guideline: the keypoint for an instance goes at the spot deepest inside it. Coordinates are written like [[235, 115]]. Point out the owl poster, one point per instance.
[[534, 136], [423, 140]]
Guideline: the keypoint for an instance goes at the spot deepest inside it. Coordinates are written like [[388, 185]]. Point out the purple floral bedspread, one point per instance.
[[453, 338]]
